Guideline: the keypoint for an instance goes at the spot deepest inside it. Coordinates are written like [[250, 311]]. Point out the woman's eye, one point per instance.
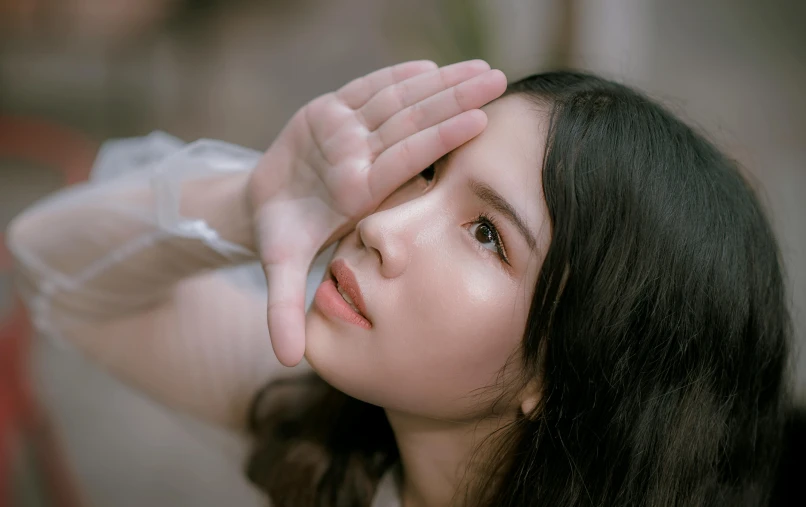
[[487, 235], [484, 234], [428, 173]]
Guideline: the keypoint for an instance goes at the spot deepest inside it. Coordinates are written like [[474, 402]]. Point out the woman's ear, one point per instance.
[[530, 397]]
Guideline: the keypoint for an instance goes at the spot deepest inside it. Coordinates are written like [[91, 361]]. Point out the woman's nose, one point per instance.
[[392, 235]]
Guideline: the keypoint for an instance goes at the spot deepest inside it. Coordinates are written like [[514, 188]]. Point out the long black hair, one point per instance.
[[658, 328]]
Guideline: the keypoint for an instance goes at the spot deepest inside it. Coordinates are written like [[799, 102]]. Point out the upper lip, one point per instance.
[[347, 282]]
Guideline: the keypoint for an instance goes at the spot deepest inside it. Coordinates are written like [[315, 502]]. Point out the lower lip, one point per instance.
[[329, 300]]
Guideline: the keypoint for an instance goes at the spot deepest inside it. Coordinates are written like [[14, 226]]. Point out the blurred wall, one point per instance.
[[238, 70]]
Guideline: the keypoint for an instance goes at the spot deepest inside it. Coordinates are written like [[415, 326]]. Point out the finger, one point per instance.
[[404, 160], [358, 91], [286, 311], [465, 96], [384, 104]]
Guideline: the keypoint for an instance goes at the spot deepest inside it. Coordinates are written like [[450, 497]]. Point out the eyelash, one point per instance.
[[428, 175]]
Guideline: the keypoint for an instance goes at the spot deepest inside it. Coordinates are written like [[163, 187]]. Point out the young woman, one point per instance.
[[567, 297]]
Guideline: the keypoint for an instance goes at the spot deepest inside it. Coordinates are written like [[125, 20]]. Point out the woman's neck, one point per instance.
[[435, 455]]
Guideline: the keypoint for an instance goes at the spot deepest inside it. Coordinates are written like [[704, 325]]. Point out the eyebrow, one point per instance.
[[487, 194]]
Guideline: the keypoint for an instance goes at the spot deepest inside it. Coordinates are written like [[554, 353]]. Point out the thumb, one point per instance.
[[286, 310]]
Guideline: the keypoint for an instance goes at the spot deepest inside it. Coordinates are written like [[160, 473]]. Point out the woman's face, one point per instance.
[[446, 269]]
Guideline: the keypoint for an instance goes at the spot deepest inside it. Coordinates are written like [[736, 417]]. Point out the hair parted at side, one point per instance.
[[659, 329]]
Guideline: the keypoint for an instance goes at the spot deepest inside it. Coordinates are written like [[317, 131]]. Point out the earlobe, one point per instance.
[[528, 406], [530, 399]]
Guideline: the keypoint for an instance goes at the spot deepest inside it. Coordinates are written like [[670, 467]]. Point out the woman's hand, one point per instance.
[[340, 156]]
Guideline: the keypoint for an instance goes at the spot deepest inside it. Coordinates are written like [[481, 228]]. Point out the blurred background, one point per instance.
[[76, 72]]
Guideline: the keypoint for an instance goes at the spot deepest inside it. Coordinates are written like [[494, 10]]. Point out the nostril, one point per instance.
[[378, 253], [386, 233], [365, 240]]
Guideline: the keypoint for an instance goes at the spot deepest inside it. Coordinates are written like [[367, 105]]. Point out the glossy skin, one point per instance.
[[448, 306]]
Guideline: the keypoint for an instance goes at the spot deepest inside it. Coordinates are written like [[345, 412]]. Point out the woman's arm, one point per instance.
[[123, 270]]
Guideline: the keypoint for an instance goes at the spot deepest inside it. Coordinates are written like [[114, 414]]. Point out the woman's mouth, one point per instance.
[[347, 298], [340, 296]]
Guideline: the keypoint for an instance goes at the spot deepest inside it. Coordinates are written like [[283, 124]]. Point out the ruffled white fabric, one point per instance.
[[156, 166]]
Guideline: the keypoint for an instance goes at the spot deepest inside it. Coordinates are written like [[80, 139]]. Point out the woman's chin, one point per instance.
[[328, 337], [328, 347], [339, 358]]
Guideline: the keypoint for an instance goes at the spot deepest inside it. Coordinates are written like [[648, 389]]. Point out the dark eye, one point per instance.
[[485, 232], [428, 173], [485, 235]]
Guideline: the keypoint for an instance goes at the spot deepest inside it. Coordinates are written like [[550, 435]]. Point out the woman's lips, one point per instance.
[[347, 282], [330, 300]]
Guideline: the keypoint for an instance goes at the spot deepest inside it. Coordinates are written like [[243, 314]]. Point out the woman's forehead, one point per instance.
[[508, 155], [514, 139]]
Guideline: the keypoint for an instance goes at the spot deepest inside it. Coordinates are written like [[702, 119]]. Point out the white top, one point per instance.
[[142, 270]]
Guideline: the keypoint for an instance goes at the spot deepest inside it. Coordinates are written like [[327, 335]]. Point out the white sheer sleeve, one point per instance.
[[150, 269]]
